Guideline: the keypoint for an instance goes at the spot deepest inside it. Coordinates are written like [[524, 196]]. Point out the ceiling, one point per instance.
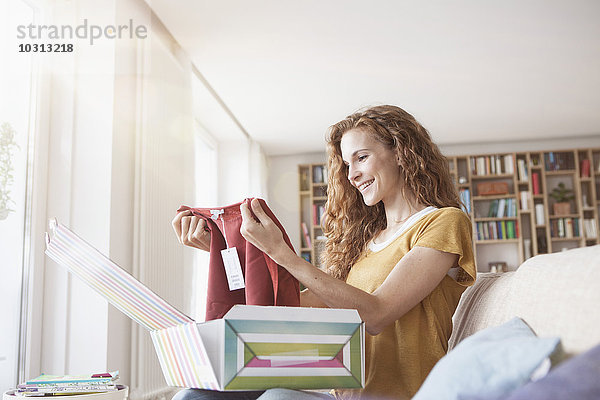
[[469, 70]]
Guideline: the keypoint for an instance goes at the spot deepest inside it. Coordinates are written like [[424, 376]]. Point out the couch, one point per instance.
[[530, 334], [555, 294]]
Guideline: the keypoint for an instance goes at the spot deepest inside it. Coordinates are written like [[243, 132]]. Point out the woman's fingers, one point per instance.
[[193, 233], [185, 227], [247, 218], [192, 228], [200, 236], [176, 223], [249, 225], [261, 215]]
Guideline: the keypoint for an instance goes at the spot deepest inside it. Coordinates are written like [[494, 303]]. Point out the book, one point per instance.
[[568, 227], [522, 168], [318, 174], [585, 168], [508, 164], [305, 255], [90, 378], [590, 228], [493, 209], [510, 229], [480, 166], [305, 235], [304, 185], [465, 197], [535, 180], [501, 208], [540, 217], [524, 194], [561, 227], [550, 163]]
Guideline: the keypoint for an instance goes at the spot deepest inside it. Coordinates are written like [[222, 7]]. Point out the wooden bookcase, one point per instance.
[[513, 235], [313, 196], [529, 178]]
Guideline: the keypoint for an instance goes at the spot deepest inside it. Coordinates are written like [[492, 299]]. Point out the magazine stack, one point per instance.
[[47, 385]]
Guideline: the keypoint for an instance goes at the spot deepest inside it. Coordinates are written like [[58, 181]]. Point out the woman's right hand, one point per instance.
[[191, 230]]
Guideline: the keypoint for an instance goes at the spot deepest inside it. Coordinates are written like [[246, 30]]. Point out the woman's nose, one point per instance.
[[353, 173]]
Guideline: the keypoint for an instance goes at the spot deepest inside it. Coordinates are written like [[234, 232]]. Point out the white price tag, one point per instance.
[[233, 269]]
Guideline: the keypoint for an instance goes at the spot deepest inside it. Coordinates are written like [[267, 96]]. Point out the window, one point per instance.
[[17, 116]]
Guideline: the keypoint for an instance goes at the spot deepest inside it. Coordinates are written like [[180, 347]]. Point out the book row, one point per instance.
[[497, 230], [522, 170], [319, 174], [500, 208], [525, 197], [590, 228], [559, 161], [492, 165], [565, 228], [318, 212]]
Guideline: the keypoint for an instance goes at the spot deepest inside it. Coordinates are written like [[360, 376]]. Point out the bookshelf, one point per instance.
[[507, 196], [313, 196], [521, 183]]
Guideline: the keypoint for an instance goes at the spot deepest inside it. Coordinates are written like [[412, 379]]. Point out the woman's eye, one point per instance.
[[362, 158]]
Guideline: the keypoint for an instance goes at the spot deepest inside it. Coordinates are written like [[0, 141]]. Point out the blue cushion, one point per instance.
[[489, 364], [576, 378]]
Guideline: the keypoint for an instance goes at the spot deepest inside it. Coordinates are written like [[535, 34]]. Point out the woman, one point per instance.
[[398, 247]]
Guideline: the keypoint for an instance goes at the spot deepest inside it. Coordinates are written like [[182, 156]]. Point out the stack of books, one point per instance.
[[47, 385]]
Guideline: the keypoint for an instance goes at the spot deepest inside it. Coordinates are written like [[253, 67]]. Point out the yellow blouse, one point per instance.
[[398, 360]]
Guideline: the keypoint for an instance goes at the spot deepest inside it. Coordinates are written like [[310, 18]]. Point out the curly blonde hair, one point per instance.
[[348, 223]]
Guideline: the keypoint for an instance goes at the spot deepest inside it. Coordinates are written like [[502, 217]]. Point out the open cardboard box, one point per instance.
[[250, 348]]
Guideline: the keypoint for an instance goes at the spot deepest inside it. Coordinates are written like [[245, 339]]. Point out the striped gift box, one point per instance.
[[250, 348]]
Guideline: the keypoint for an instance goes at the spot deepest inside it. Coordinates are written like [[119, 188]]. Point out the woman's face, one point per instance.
[[372, 168]]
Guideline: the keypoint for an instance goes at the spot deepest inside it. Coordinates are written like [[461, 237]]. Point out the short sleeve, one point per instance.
[[450, 230]]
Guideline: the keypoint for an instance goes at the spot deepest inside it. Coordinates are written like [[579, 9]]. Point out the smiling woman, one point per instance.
[[385, 141]]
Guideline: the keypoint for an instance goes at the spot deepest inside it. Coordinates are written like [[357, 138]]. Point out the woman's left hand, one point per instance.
[[262, 232]]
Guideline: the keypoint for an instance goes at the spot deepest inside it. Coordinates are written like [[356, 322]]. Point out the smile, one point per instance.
[[365, 185]]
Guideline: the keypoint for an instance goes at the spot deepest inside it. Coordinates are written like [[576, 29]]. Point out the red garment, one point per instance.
[[267, 283]]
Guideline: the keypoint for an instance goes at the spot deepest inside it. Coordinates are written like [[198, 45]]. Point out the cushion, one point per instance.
[[576, 378], [489, 364]]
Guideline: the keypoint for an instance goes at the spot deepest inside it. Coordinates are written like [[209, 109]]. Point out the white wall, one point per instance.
[[572, 142], [284, 198], [242, 171]]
